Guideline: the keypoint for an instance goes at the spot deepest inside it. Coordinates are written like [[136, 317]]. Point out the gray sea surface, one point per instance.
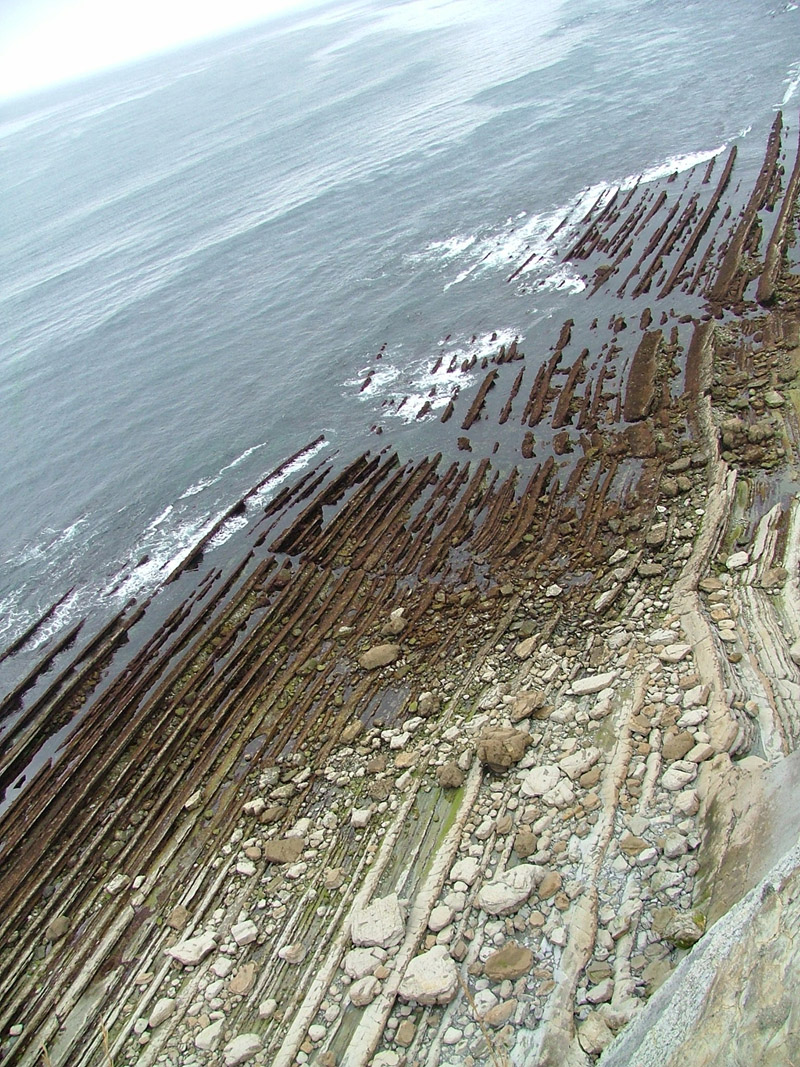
[[204, 253]]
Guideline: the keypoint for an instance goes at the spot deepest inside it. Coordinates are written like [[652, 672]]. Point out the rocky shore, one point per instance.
[[460, 761]]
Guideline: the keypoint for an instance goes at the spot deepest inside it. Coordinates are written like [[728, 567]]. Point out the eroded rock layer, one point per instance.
[[437, 769]]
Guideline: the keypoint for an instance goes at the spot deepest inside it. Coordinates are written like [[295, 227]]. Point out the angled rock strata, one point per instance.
[[249, 828]]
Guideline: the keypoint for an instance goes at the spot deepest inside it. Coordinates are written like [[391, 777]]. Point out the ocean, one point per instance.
[[259, 247]]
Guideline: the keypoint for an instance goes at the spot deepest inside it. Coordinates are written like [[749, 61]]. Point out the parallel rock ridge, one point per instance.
[[274, 836]]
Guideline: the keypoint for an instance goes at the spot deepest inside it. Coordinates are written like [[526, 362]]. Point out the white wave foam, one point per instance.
[[792, 82], [66, 612], [564, 279], [165, 546], [524, 244], [41, 550], [227, 530], [206, 483], [198, 487], [267, 489], [400, 388], [673, 165]]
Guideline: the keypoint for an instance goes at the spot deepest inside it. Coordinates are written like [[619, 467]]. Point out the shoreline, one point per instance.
[[514, 700]]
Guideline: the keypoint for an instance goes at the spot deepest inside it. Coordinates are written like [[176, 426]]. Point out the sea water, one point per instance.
[[205, 254]]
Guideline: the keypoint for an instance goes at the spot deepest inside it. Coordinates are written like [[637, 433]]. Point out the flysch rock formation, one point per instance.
[[459, 761]]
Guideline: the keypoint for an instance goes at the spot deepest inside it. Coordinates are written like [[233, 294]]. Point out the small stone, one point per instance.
[[117, 884], [683, 931], [379, 656], [450, 776], [57, 928], [499, 747], [267, 1008], [773, 399], [333, 878], [549, 885], [465, 870], [579, 762], [700, 753], [293, 953], [594, 1034], [255, 807], [675, 652], [540, 780], [525, 844], [601, 993], [405, 1033], [244, 933], [427, 705], [512, 961], [674, 845], [524, 649], [737, 560], [283, 850], [679, 775], [359, 962], [676, 745], [364, 991], [162, 1009], [243, 981], [359, 817], [500, 1014], [178, 917], [241, 1049], [509, 890], [687, 802], [593, 684], [193, 950], [316, 1032], [209, 1036], [379, 923], [440, 917]]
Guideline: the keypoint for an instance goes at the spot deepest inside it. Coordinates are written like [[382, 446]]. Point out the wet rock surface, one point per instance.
[[294, 841]]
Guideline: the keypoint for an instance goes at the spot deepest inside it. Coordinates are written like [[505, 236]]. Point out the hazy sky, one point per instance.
[[47, 41]]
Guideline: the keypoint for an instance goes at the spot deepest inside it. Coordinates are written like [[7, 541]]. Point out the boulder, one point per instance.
[[364, 990], [242, 1049], [512, 961], [540, 780], [431, 978], [379, 656], [193, 950], [379, 923], [509, 890], [450, 776], [500, 747], [283, 850]]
